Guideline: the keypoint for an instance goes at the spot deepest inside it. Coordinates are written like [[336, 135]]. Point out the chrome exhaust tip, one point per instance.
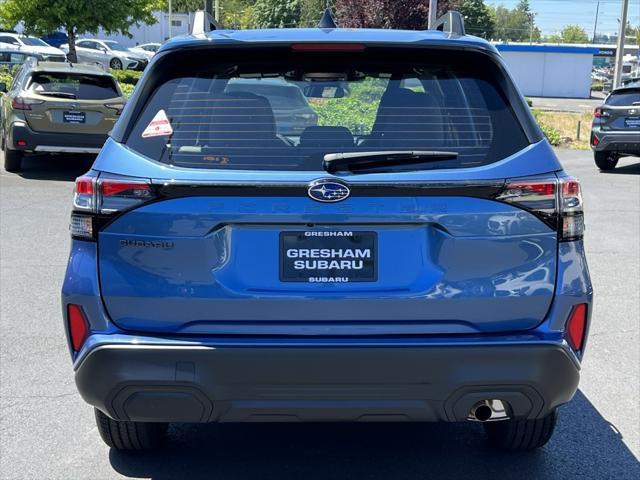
[[489, 411]]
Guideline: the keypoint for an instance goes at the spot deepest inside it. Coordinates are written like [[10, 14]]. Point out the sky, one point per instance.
[[552, 15]]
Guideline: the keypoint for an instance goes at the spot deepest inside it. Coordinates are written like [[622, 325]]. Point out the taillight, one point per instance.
[[101, 198], [78, 326], [118, 107], [21, 103], [557, 202], [576, 326], [600, 112]]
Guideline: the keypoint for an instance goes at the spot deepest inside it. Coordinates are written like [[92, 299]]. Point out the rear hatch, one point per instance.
[[621, 111], [221, 225], [70, 102]]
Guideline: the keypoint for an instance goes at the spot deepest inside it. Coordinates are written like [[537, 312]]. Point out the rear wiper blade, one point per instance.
[[359, 161], [58, 94]]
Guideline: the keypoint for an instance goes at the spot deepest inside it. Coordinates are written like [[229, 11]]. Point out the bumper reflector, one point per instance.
[[576, 326], [78, 326]]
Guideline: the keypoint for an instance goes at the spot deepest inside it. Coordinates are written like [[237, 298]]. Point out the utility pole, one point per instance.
[[531, 20], [617, 76], [433, 14], [595, 24], [170, 18], [216, 10]]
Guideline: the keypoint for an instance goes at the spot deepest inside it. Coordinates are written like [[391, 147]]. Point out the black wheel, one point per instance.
[[12, 158], [116, 64], [606, 160], [130, 435], [521, 434]]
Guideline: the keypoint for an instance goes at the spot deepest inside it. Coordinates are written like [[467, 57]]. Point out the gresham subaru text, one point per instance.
[[408, 248]]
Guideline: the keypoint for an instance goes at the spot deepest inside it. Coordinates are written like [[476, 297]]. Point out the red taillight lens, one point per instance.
[[328, 47], [595, 141], [78, 326], [21, 103], [599, 112], [557, 202], [110, 188], [576, 326], [118, 107], [104, 195]]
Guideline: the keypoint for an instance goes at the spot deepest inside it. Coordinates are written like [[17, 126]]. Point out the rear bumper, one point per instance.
[[206, 383], [54, 142], [617, 142]]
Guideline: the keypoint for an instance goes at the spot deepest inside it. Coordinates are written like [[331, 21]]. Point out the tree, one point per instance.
[[517, 25], [571, 34], [477, 17], [407, 14], [77, 16], [276, 13], [311, 12]]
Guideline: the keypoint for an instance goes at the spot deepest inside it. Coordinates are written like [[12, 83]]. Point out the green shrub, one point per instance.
[[551, 133], [127, 89], [130, 77], [6, 76], [356, 111]]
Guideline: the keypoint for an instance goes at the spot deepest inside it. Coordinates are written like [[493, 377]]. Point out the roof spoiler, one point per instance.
[[204, 23], [451, 23]]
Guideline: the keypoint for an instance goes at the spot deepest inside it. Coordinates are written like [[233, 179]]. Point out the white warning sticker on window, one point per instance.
[[158, 126]]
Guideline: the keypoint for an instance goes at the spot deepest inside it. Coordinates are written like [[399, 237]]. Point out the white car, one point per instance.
[[108, 53], [31, 46], [146, 49]]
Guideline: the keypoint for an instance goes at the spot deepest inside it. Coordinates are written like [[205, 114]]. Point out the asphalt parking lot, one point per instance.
[[46, 430]]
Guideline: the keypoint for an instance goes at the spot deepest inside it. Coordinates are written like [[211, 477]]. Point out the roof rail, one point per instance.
[[204, 23], [451, 22]]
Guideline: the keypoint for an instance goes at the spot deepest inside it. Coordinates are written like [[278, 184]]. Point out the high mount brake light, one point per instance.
[[101, 198], [557, 202], [328, 47]]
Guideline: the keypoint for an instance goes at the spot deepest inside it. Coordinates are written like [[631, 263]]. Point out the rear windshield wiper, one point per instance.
[[360, 161], [58, 94]]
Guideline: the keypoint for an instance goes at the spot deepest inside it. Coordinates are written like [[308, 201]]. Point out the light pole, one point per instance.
[[595, 24], [617, 75], [170, 19]]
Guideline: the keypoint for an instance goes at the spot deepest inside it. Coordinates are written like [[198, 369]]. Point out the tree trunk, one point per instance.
[[72, 56]]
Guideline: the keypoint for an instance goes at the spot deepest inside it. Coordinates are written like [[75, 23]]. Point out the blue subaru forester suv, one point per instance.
[[415, 255]]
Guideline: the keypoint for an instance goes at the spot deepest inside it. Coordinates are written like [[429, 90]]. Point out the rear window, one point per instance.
[[286, 111], [624, 98], [76, 86]]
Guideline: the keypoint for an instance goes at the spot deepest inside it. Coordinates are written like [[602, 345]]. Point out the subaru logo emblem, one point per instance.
[[328, 191]]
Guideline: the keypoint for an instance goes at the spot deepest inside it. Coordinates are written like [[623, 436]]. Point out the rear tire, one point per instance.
[[116, 64], [132, 436], [520, 435], [606, 160], [12, 158]]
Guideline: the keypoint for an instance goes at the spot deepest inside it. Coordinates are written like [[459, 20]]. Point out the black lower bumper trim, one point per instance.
[[202, 384]]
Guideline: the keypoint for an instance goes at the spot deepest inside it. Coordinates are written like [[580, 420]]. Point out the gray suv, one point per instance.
[[615, 131]]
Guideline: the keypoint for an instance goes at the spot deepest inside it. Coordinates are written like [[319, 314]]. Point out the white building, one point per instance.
[[159, 32], [550, 70]]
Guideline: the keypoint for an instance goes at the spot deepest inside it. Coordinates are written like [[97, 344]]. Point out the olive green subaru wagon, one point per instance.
[[57, 108]]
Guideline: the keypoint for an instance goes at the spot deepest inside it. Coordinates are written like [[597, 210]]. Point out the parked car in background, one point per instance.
[[147, 50], [416, 257], [10, 58], [615, 130], [55, 39], [59, 108], [108, 53], [32, 46], [290, 107]]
